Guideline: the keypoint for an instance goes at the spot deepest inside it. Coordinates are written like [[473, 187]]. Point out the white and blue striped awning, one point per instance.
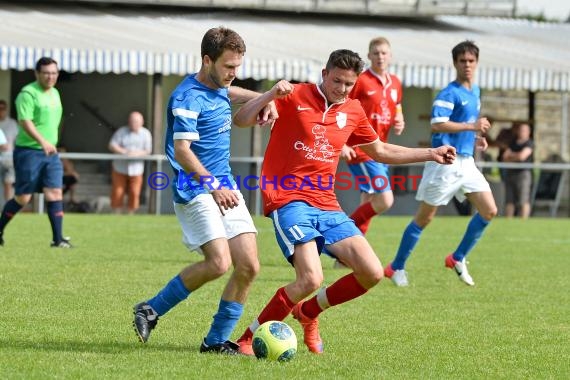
[[515, 54]]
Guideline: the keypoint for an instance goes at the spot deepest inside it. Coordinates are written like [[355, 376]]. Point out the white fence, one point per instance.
[[161, 164]]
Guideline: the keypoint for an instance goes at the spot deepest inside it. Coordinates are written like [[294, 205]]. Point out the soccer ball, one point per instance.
[[274, 340]]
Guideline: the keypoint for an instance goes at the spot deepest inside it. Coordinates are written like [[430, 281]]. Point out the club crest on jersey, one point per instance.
[[394, 94], [341, 119]]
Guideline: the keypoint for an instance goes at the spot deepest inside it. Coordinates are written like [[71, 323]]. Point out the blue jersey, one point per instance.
[[458, 104], [203, 116]]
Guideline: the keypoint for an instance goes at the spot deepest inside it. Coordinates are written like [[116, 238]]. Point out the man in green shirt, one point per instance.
[[36, 162]]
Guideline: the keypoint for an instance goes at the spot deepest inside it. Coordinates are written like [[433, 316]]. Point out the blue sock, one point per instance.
[[225, 320], [173, 293], [55, 215], [474, 231], [11, 208], [409, 240]]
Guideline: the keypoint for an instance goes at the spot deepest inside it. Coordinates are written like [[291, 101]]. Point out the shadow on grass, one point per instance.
[[93, 347]]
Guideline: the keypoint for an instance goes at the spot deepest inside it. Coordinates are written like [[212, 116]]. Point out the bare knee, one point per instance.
[[371, 277], [310, 283], [489, 213], [23, 199], [424, 220], [219, 265], [247, 270]]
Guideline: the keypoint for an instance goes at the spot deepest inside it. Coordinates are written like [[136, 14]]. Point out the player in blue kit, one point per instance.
[[454, 121], [214, 218]]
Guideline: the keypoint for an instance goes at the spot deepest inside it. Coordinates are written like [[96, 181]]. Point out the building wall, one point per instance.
[[5, 82]]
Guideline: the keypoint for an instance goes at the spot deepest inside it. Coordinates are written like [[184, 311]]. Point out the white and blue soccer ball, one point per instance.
[[274, 340]]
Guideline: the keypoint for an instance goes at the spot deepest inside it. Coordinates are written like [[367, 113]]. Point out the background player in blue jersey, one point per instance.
[[454, 121], [214, 219]]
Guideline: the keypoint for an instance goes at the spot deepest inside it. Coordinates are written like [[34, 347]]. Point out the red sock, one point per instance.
[[278, 308], [362, 216], [344, 289]]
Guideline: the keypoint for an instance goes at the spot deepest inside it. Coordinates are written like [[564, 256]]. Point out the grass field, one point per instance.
[[68, 313]]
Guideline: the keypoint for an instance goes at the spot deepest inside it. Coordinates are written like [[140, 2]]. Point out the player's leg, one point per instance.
[[134, 193], [438, 185], [300, 243], [486, 211], [27, 168], [478, 192], [118, 189], [345, 242], [376, 193], [395, 270], [243, 249], [308, 278], [367, 272], [53, 182], [203, 231]]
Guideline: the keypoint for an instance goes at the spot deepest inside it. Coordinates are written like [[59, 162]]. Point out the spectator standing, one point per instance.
[[518, 182], [132, 140], [9, 127]]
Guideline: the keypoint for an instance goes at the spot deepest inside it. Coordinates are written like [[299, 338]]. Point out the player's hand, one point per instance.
[[444, 154], [399, 124], [282, 89], [481, 144], [225, 199], [482, 125], [347, 153], [49, 148], [268, 115]]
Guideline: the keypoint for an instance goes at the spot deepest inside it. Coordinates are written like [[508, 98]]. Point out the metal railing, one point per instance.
[[160, 161]]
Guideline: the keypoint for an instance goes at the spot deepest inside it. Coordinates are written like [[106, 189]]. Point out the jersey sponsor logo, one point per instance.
[[321, 150], [394, 94], [299, 108], [464, 102], [341, 119], [227, 125], [370, 93]]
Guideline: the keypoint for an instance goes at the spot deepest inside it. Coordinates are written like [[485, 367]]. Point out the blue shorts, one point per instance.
[[371, 176], [297, 222], [34, 171]]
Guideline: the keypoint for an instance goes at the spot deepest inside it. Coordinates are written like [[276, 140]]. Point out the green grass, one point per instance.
[[67, 313]]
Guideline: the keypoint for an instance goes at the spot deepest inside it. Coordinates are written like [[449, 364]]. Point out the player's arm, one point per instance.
[[249, 112], [266, 116], [396, 154], [224, 198], [239, 95], [482, 125]]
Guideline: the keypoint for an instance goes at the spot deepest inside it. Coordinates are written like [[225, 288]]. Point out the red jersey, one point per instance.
[[304, 148], [380, 101]]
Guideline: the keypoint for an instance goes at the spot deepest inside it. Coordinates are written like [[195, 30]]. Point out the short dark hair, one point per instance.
[[216, 40], [3, 103], [345, 59], [44, 61], [466, 46]]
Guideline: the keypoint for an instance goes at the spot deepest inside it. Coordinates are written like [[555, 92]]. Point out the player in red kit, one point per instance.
[[297, 184], [380, 94]]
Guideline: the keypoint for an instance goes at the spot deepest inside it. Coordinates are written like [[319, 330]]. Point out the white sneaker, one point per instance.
[[400, 278], [460, 268]]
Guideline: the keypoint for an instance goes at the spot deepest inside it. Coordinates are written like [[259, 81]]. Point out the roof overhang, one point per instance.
[[515, 54]]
